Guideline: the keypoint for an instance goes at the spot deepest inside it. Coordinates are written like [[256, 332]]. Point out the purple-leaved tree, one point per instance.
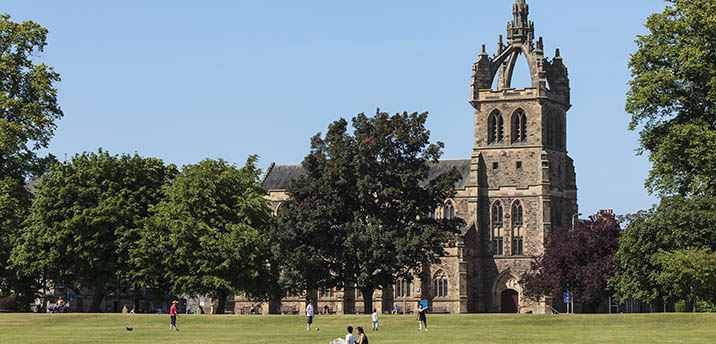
[[580, 260]]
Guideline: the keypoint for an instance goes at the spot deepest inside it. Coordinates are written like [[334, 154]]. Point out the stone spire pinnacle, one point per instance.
[[520, 29]]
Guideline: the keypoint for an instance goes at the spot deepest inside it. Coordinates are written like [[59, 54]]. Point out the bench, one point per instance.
[[246, 310], [289, 310], [439, 310]]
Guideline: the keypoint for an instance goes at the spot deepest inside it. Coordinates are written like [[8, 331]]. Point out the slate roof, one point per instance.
[[278, 177]]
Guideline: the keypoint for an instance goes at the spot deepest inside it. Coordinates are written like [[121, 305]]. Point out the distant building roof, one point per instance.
[[278, 177], [31, 183]]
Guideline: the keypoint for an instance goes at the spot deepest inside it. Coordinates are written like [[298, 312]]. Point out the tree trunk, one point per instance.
[[367, 300], [274, 304], [221, 303], [96, 301]]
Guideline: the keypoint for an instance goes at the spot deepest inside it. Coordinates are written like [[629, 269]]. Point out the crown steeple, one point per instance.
[[520, 29]]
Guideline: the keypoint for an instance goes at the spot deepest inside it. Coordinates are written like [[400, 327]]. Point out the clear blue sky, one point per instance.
[[185, 81]]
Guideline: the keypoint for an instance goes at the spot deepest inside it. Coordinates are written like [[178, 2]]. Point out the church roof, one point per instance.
[[278, 177]]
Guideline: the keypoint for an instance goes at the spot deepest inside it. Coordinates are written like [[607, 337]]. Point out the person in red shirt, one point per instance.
[[173, 316]]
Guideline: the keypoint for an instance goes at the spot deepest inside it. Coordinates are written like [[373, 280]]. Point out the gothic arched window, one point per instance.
[[496, 127], [449, 210], [519, 126], [402, 288], [440, 284], [517, 241], [517, 213], [548, 129], [517, 228], [557, 131], [497, 243], [497, 214]]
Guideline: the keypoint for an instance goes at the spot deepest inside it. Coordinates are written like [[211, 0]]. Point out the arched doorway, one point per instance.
[[510, 301], [506, 292]]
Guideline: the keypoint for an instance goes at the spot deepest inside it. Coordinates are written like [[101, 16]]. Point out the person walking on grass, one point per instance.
[[422, 319], [173, 316], [309, 315], [374, 317]]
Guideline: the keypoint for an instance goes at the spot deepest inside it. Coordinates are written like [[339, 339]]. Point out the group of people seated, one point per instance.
[[359, 338]]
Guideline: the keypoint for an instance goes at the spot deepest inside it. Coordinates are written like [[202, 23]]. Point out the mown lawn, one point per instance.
[[444, 329]]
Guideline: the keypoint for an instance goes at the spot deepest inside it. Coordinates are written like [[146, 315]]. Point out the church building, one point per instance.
[[518, 184]]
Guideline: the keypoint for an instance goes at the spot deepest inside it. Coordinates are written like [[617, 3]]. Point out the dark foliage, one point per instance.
[[358, 215], [579, 260], [9, 303]]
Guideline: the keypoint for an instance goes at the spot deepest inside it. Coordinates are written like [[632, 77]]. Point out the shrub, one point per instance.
[[701, 306], [9, 303]]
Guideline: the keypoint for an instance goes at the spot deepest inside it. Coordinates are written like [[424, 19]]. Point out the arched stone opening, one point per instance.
[[506, 293], [509, 301]]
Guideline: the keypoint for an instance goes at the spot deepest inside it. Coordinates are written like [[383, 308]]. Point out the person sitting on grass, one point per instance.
[[362, 338], [350, 338]]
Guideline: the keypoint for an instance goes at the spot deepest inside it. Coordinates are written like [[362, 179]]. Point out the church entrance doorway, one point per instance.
[[510, 301]]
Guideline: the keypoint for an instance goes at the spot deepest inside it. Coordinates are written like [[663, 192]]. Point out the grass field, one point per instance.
[[444, 329]]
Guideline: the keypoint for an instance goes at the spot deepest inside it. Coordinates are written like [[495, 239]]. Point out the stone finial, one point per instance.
[[500, 45], [540, 45], [556, 53], [520, 29], [483, 52]]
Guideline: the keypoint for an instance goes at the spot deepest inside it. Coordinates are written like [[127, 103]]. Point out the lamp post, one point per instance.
[[575, 216], [571, 300]]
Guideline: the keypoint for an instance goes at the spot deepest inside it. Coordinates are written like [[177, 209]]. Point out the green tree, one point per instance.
[[676, 223], [359, 214], [688, 274], [28, 111], [208, 237], [672, 97], [85, 218]]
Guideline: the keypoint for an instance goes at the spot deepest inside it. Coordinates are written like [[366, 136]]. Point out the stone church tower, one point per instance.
[[524, 181], [518, 184]]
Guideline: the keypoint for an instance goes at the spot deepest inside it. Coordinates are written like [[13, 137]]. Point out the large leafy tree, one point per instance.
[[580, 260], [358, 215], [689, 274], [28, 111], [84, 221], [208, 237], [672, 97], [676, 223]]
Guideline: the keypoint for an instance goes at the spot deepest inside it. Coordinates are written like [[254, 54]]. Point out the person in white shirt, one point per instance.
[[350, 338], [309, 315], [374, 317]]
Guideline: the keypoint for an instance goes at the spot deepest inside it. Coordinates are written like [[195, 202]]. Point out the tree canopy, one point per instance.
[[672, 97], [208, 236], [84, 221], [676, 223], [359, 215], [688, 274], [28, 112], [579, 260]]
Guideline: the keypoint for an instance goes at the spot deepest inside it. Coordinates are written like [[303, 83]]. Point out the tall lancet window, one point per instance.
[[497, 243], [496, 127], [519, 126]]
